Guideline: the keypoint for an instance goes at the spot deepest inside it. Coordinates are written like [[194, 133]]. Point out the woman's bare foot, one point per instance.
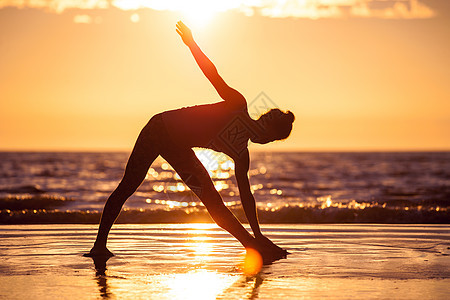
[[99, 251], [268, 250]]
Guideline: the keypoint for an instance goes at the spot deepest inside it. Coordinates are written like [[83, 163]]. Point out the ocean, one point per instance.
[[289, 187]]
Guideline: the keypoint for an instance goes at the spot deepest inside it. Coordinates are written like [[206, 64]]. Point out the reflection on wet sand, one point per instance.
[[246, 287], [197, 284], [244, 278], [100, 275], [103, 285]]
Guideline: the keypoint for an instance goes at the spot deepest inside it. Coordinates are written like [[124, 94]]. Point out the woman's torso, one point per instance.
[[218, 126]]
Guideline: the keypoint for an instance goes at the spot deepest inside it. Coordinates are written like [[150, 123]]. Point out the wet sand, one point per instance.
[[201, 261]]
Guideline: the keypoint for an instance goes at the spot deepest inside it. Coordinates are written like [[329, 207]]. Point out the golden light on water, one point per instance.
[[221, 168], [220, 185], [217, 164], [198, 284], [200, 245]]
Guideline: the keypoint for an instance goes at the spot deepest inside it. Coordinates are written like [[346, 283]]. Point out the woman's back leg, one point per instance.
[[143, 154]]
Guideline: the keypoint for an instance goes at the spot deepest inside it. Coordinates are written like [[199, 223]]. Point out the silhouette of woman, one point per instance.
[[224, 127]]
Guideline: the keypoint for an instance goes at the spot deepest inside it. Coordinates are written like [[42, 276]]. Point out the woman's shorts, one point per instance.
[[183, 159]]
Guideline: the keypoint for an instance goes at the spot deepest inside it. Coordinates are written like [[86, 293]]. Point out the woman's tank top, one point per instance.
[[205, 125]]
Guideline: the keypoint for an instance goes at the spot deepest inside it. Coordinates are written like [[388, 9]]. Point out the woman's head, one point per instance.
[[276, 125]]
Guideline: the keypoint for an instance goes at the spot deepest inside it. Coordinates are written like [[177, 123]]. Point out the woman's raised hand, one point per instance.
[[185, 33]]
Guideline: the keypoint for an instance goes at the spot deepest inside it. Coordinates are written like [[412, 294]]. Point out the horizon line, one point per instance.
[[106, 150]]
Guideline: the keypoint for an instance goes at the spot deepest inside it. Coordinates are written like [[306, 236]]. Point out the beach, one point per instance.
[[201, 261]]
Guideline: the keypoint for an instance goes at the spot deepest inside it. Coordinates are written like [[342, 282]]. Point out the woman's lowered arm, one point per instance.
[[247, 199], [249, 203]]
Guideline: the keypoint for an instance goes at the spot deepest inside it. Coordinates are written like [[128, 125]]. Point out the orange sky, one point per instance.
[[361, 77]]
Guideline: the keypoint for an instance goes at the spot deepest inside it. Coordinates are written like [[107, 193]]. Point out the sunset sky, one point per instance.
[[358, 74]]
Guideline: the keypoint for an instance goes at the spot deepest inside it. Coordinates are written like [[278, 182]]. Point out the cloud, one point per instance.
[[57, 6], [135, 18], [87, 19], [315, 9], [312, 9], [82, 19], [392, 9]]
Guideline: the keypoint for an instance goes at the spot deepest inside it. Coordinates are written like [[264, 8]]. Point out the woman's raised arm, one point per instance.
[[225, 92]]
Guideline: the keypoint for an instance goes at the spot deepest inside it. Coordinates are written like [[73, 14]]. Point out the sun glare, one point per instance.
[[196, 13], [253, 262], [200, 12], [197, 18]]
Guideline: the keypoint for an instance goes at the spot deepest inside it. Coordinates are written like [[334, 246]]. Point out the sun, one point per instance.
[[195, 13], [199, 13], [196, 18]]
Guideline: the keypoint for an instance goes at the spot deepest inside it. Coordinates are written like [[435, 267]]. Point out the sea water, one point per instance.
[[289, 187]]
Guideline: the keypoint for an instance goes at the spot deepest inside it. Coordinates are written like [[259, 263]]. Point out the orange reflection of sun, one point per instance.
[[198, 284], [201, 247]]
